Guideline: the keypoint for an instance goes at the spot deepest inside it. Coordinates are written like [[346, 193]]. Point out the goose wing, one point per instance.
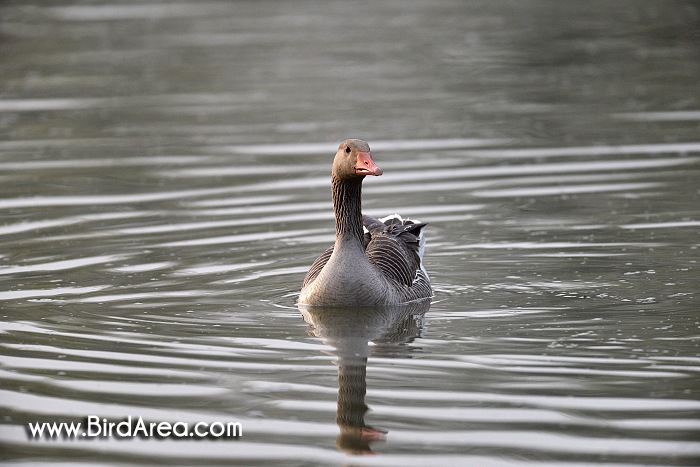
[[395, 247], [316, 267]]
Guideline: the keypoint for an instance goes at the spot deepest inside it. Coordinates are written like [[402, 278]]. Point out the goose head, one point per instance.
[[354, 160]]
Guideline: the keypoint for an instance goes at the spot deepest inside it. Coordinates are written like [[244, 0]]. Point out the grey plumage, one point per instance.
[[393, 245], [374, 262]]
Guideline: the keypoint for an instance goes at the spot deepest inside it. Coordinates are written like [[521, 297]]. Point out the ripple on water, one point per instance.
[[156, 227], [510, 347]]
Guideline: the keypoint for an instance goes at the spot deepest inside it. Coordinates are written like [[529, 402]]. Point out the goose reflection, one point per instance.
[[349, 331]]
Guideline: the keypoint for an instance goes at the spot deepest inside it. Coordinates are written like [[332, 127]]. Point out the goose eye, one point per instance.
[[347, 150]]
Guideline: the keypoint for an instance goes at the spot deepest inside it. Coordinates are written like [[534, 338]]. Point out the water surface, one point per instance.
[[164, 176]]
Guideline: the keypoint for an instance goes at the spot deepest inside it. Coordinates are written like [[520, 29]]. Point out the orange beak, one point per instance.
[[365, 165]]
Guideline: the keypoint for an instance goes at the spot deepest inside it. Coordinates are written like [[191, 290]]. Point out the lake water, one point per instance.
[[164, 186]]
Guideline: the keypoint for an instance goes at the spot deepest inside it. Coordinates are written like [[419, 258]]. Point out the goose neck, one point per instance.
[[347, 207]]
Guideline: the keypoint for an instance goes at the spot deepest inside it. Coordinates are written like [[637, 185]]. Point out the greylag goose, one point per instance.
[[373, 261]]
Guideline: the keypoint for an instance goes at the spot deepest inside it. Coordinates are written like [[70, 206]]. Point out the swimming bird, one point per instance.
[[373, 261]]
